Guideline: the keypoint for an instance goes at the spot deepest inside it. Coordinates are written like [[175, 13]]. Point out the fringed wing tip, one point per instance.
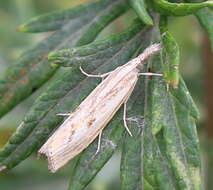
[[3, 168], [51, 165]]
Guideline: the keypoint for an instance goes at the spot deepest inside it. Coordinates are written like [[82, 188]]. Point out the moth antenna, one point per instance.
[[150, 74], [94, 76], [63, 114]]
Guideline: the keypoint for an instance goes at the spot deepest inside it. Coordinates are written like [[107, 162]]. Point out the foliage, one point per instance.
[[164, 152]]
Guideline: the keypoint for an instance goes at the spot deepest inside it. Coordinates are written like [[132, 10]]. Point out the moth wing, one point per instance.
[[92, 115]]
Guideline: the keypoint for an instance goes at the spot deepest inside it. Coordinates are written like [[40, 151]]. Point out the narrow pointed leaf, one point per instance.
[[183, 96], [131, 170], [178, 9], [115, 10], [56, 20], [171, 54], [176, 138], [156, 172], [33, 69], [140, 8], [94, 51]]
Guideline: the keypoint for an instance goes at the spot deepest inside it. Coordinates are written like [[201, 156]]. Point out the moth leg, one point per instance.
[[150, 74], [167, 87], [99, 143], [96, 76], [63, 114], [124, 119]]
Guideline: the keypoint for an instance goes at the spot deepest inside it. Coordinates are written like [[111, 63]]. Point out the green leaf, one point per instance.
[[173, 141], [178, 9], [131, 170], [64, 93], [116, 9], [94, 51], [132, 152], [184, 98], [170, 55], [140, 8], [156, 173], [33, 69], [56, 20]]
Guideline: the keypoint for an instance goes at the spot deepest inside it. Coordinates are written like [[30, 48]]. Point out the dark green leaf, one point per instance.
[[56, 20], [141, 9], [156, 172], [116, 9], [175, 141], [178, 9], [94, 51], [184, 98], [170, 55], [33, 70], [131, 169]]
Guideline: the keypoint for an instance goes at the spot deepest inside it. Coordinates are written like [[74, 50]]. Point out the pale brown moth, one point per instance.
[[93, 114]]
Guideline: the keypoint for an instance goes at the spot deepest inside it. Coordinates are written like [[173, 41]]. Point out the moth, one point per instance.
[[89, 119]]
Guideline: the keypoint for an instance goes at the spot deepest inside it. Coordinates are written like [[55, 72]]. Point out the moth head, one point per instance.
[[150, 51]]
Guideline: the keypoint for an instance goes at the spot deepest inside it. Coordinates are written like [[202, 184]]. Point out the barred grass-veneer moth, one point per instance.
[[93, 114]]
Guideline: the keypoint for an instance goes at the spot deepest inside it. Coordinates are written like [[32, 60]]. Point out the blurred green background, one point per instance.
[[32, 173]]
